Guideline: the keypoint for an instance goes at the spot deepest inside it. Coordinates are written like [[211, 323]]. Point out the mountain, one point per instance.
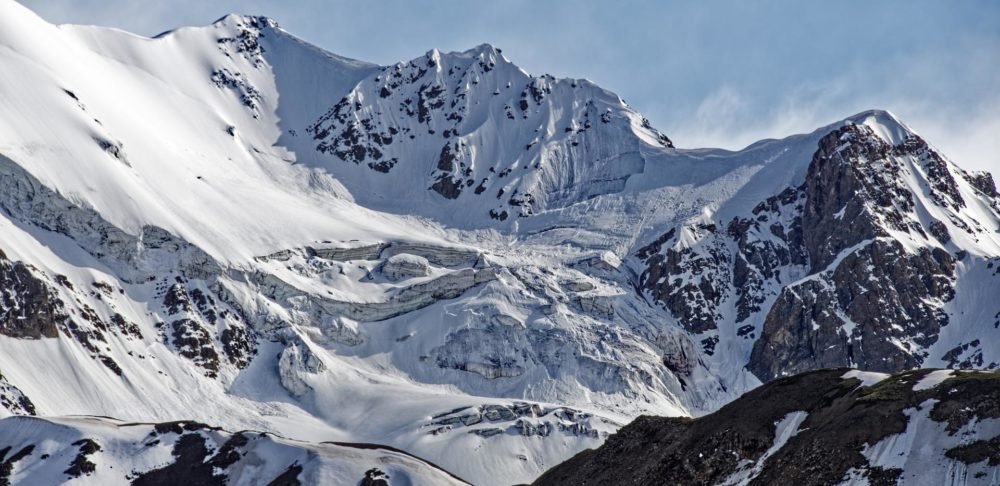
[[487, 269], [828, 427], [870, 261]]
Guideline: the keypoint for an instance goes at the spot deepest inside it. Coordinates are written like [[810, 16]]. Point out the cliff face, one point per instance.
[[875, 300], [857, 266]]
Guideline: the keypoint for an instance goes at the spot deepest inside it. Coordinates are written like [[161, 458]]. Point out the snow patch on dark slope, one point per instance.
[[446, 254]]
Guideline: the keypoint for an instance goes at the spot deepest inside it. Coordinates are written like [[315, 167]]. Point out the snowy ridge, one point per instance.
[[475, 128], [446, 254], [95, 450]]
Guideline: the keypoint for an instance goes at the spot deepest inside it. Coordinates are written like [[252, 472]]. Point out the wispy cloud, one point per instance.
[[967, 131]]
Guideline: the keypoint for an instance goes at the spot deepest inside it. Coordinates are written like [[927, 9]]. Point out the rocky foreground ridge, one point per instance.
[[824, 427]]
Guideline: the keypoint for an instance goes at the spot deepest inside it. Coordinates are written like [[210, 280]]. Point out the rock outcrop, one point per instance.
[[856, 267], [521, 418], [29, 307]]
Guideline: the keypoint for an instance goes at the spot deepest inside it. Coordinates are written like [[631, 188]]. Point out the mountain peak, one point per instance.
[[885, 124], [483, 53], [484, 49], [258, 22]]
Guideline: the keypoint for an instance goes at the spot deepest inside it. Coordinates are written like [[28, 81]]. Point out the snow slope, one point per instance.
[[447, 255], [95, 450]]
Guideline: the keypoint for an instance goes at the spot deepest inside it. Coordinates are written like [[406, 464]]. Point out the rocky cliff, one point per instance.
[[827, 427]]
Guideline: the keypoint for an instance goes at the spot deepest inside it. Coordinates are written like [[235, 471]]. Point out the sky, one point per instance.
[[706, 73]]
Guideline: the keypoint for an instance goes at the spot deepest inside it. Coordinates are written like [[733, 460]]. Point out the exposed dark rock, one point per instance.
[[694, 300], [940, 231], [965, 356], [649, 250], [246, 43], [446, 183], [229, 453], [374, 477], [978, 451], [850, 170], [971, 395], [983, 182], [842, 418], [111, 364], [868, 302], [176, 300], [126, 327], [879, 293], [852, 315], [191, 466], [7, 464], [499, 216], [113, 148], [179, 427], [195, 343], [944, 188], [81, 465], [249, 95], [288, 478], [29, 307], [238, 345], [14, 400], [760, 259], [205, 305]]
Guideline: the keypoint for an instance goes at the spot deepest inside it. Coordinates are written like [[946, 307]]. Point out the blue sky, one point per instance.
[[707, 73]]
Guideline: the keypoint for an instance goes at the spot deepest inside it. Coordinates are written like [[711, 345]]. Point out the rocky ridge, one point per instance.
[[855, 267], [829, 427]]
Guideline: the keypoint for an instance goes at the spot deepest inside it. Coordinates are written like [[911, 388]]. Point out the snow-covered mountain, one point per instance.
[[449, 256]]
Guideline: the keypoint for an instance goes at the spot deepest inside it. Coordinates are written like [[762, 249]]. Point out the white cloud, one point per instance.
[[730, 119]]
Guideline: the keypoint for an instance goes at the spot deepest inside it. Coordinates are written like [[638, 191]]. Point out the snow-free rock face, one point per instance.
[[857, 266], [873, 303], [328, 249], [29, 308], [828, 427]]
